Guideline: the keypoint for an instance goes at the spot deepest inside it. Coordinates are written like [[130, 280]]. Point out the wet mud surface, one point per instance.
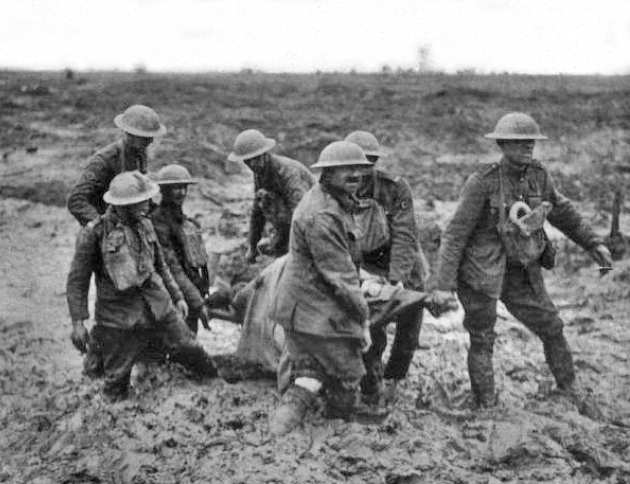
[[56, 428]]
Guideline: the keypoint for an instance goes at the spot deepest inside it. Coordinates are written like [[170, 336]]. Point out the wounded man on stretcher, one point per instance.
[[261, 351]]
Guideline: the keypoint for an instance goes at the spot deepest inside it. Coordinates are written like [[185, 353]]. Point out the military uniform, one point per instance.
[[473, 261], [279, 184], [319, 302], [85, 201], [391, 249], [134, 294], [185, 254]]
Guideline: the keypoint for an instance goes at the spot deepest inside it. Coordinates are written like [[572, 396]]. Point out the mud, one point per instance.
[[55, 427]]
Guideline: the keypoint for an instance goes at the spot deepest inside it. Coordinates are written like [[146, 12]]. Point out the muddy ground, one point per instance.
[[54, 426]]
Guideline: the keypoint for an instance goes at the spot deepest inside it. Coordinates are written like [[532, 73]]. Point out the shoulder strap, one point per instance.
[[501, 198]]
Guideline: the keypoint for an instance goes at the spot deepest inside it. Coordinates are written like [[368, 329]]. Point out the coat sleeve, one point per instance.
[[188, 288], [81, 269], [458, 231], [256, 226], [94, 179], [568, 220], [403, 232], [295, 184], [329, 248], [162, 269]]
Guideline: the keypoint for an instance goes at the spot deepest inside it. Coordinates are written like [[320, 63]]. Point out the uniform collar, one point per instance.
[[349, 203]]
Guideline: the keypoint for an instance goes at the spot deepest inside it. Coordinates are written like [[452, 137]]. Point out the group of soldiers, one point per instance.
[[344, 240]]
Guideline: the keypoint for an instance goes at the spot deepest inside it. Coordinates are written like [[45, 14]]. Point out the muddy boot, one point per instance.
[[481, 373], [560, 361], [390, 392], [344, 403], [233, 369], [585, 403], [194, 357], [293, 406]]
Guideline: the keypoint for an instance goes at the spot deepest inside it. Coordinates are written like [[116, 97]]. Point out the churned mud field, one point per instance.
[[54, 426]]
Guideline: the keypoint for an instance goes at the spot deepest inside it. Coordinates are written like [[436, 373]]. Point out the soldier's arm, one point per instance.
[[403, 232], [256, 226], [568, 220], [94, 179], [78, 282], [295, 185], [471, 202], [162, 269], [191, 293], [327, 241]]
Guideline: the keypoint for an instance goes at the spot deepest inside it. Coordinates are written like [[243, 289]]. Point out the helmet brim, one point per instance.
[[270, 143], [192, 181], [119, 122], [515, 136], [113, 200], [340, 163]]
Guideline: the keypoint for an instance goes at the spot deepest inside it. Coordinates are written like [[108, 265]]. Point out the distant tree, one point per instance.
[[386, 70], [140, 68], [68, 74], [425, 63]]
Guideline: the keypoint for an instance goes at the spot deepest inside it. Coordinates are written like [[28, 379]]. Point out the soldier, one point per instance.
[[180, 238], [134, 290], [483, 263], [140, 125], [390, 248], [319, 302], [279, 184]]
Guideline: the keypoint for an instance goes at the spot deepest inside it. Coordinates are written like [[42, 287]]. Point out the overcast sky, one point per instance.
[[533, 36]]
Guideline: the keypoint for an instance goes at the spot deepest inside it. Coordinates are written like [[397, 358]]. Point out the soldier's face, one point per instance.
[[137, 142], [256, 163], [347, 178], [175, 194], [136, 211], [517, 151]]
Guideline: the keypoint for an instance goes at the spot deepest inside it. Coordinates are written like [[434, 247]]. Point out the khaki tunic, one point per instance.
[[85, 201], [115, 308]]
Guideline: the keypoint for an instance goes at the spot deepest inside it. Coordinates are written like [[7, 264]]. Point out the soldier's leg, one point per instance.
[[526, 297], [192, 321], [120, 350], [93, 360], [480, 314], [405, 343], [306, 381], [372, 382], [182, 347]]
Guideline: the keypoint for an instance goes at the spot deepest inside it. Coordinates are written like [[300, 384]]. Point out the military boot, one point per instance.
[[344, 403], [559, 359], [293, 406], [481, 374]]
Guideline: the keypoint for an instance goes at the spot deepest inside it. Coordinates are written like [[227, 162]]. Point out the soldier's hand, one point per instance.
[[602, 256], [440, 302], [250, 256], [79, 336], [204, 316], [182, 307], [366, 337]]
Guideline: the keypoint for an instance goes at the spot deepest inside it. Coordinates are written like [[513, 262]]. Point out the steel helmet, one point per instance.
[[367, 141], [249, 144], [141, 121], [130, 187], [341, 153], [173, 175], [516, 126]]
